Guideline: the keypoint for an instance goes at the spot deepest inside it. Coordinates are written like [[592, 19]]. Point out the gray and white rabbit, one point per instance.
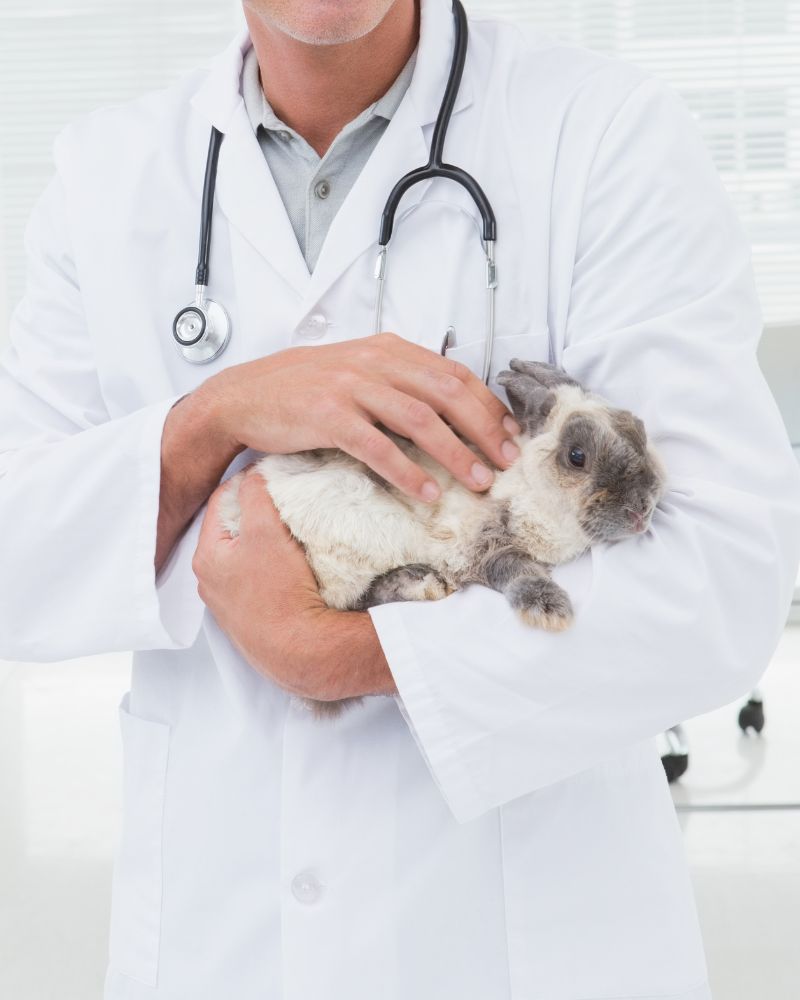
[[586, 473]]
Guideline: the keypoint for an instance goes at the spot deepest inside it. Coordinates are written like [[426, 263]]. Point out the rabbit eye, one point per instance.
[[577, 457]]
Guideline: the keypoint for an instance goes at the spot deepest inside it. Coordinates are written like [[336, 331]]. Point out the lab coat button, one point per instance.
[[306, 887], [322, 189], [314, 327]]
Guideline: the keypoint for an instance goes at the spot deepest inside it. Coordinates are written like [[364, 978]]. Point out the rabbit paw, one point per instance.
[[540, 602], [412, 582]]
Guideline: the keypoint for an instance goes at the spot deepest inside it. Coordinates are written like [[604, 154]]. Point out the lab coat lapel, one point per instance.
[[246, 193], [248, 197], [402, 147]]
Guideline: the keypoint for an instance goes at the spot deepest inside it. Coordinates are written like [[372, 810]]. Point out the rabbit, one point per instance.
[[586, 473]]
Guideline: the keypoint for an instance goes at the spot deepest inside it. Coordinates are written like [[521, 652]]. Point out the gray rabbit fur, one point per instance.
[[586, 473]]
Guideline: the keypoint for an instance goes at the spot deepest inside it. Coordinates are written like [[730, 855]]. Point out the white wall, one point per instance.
[[60, 59]]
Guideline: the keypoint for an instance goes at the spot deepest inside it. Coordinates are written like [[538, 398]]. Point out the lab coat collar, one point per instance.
[[247, 193]]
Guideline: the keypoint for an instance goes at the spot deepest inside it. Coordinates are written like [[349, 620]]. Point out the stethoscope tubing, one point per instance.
[[207, 207], [202, 330], [437, 168]]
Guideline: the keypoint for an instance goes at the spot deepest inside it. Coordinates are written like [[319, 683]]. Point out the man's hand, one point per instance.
[[333, 395], [261, 591]]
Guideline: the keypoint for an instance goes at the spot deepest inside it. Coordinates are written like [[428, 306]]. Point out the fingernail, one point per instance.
[[510, 450], [511, 425], [481, 474], [430, 491]]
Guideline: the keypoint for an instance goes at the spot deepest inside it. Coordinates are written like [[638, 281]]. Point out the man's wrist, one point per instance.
[[195, 452], [357, 662], [212, 410], [195, 431]]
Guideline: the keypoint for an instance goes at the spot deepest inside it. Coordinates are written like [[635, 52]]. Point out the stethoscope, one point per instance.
[[202, 330]]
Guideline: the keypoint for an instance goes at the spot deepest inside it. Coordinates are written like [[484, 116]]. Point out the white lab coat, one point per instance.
[[503, 828]]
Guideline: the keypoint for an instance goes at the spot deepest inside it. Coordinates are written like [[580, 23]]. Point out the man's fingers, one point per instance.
[[259, 518], [455, 391], [444, 369], [427, 358], [361, 439], [265, 536], [260, 524], [212, 534], [212, 530], [496, 407], [418, 420], [465, 402]]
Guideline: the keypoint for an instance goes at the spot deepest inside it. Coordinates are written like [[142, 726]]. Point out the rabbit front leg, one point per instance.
[[527, 586], [412, 582]]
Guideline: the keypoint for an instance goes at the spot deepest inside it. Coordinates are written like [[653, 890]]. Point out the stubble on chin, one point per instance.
[[302, 21]]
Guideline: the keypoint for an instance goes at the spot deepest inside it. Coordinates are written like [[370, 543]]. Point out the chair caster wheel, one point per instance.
[[752, 716], [675, 765]]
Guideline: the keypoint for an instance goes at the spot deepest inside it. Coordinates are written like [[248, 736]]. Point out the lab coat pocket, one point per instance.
[[531, 346], [137, 881]]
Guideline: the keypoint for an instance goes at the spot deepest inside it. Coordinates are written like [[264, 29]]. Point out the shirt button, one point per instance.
[[314, 327], [284, 136], [306, 887], [322, 189]]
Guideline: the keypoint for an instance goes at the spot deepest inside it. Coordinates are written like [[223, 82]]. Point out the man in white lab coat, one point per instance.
[[494, 821]]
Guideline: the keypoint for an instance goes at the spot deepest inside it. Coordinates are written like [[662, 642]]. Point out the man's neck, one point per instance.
[[318, 89]]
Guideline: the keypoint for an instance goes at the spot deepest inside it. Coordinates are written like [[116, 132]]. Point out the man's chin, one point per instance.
[[323, 22]]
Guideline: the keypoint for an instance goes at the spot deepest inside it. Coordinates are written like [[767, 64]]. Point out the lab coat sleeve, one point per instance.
[[664, 320], [79, 491]]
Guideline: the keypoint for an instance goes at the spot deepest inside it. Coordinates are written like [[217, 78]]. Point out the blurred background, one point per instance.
[[737, 65]]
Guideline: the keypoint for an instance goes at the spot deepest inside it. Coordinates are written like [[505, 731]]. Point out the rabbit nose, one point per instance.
[[638, 519]]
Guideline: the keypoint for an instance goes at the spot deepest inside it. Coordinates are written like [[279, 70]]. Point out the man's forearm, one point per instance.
[[349, 643], [195, 452]]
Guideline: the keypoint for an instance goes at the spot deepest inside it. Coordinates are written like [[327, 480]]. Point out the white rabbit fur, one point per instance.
[[358, 530]]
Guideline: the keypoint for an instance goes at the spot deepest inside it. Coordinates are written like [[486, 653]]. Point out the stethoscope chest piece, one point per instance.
[[201, 330]]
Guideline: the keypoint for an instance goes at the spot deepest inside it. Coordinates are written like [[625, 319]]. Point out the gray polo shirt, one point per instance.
[[313, 188]]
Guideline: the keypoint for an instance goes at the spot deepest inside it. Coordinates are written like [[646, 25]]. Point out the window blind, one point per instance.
[[62, 58], [736, 63]]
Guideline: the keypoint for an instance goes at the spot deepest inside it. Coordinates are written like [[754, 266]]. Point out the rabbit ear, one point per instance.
[[530, 401], [550, 376]]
